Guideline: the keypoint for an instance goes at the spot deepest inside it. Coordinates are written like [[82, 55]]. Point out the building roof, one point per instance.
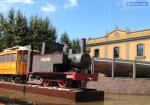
[[118, 35], [16, 48]]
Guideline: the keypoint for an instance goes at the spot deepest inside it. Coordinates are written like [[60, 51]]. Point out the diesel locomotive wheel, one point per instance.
[[62, 83]]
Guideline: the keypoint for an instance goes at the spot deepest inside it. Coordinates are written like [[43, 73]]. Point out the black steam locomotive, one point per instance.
[[65, 69]]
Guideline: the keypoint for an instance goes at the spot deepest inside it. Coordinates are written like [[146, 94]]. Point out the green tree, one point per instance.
[[48, 30], [75, 45], [1, 25], [21, 29], [64, 39], [41, 30], [17, 29], [9, 29], [2, 21]]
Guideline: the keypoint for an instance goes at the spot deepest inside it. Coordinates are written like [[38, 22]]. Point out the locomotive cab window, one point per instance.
[[140, 50], [96, 53], [116, 52]]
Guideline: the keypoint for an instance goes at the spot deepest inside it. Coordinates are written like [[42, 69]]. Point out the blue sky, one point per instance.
[[85, 18]]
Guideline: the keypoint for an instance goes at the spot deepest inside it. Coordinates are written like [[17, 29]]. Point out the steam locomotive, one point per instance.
[[63, 69]]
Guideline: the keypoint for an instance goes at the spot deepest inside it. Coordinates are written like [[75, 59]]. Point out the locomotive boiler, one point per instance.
[[63, 69]]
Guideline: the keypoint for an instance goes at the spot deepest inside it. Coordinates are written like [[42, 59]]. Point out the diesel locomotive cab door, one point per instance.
[[22, 62]]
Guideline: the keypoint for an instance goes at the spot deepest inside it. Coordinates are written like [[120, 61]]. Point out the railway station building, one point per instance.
[[122, 53]]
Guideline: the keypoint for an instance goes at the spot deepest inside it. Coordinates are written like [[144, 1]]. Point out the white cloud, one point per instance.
[[71, 3], [19, 1], [49, 7], [7, 4]]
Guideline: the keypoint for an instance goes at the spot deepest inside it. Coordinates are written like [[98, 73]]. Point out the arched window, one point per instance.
[[140, 50], [96, 53]]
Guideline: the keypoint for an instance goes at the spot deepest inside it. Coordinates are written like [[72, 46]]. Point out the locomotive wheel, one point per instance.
[[2, 79], [62, 83], [45, 83], [13, 79], [83, 84]]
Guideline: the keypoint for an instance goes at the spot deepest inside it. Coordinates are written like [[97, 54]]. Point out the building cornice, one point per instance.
[[118, 41], [120, 30]]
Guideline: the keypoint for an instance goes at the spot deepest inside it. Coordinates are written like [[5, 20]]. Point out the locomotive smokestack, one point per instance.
[[66, 49], [83, 45]]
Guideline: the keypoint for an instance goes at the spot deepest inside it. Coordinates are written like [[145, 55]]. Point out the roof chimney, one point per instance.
[[83, 45]]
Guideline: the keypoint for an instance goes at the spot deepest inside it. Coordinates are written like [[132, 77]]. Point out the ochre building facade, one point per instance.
[[122, 44]]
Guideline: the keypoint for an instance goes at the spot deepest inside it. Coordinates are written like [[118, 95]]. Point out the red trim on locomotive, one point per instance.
[[83, 77], [74, 75]]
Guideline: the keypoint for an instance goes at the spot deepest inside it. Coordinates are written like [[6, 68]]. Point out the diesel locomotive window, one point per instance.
[[116, 52], [140, 50], [96, 53]]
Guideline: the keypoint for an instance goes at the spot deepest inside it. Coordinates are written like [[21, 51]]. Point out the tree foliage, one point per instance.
[[21, 29], [74, 44], [64, 39], [17, 29]]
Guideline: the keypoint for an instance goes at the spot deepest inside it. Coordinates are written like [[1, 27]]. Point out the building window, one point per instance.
[[140, 50], [116, 52], [96, 53]]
